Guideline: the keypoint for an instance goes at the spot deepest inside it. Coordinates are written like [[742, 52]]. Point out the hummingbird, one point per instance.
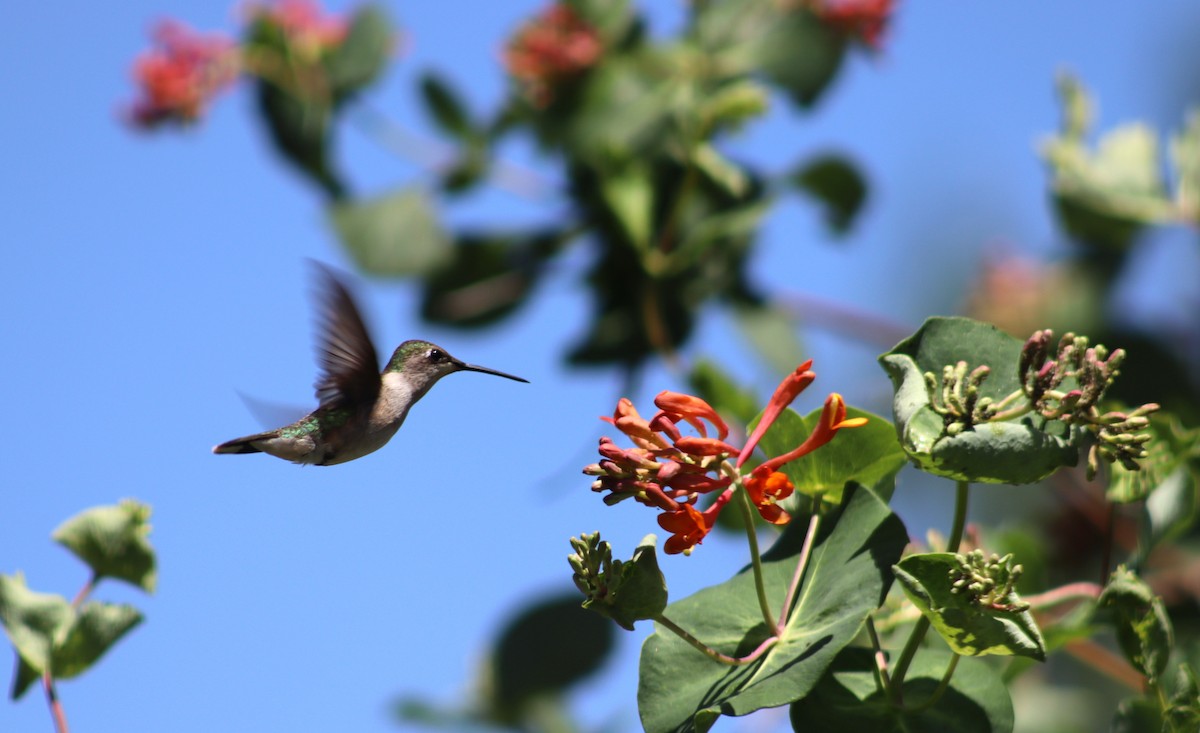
[[360, 408]]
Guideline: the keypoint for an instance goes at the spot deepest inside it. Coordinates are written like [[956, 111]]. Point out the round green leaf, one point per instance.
[[32, 621], [848, 698], [543, 650], [393, 235], [1143, 627], [114, 542], [967, 628], [96, 628], [1017, 451], [848, 574], [360, 58]]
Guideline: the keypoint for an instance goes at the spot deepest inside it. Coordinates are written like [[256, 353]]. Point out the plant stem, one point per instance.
[[756, 562], [1064, 594], [713, 654], [801, 565], [881, 672], [56, 709], [922, 625]]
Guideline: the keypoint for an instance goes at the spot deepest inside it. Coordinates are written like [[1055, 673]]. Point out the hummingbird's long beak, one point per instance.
[[474, 368]]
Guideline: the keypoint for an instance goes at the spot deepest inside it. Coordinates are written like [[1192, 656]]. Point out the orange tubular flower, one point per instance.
[[628, 421], [766, 488], [677, 406], [701, 447], [791, 386], [180, 76], [688, 527], [833, 419]]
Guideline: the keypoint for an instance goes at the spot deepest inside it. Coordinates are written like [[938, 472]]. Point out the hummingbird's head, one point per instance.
[[422, 363]]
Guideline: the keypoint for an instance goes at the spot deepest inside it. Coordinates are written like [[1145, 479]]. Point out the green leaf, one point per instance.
[[114, 542], [1016, 451], [732, 104], [629, 195], [299, 129], [720, 170], [848, 574], [486, 277], [772, 333], [1142, 625], [968, 629], [96, 628], [848, 698], [394, 235], [1183, 711], [33, 621], [361, 57], [1104, 196], [1137, 715], [867, 455], [788, 46], [835, 182], [547, 647], [445, 107]]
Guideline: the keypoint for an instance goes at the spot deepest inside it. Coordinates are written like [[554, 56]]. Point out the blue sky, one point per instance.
[[152, 278]]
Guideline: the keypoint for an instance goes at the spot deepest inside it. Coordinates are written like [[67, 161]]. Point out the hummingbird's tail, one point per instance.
[[241, 445]]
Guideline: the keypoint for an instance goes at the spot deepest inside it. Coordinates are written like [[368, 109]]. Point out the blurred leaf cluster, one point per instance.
[[59, 639], [643, 130]]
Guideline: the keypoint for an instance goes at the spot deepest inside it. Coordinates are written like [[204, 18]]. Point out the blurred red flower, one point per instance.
[[179, 77], [550, 49]]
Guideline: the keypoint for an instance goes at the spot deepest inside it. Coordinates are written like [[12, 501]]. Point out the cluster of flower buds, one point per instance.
[[1118, 439], [669, 470], [960, 406], [624, 591], [550, 50], [988, 582], [1092, 369], [1068, 387]]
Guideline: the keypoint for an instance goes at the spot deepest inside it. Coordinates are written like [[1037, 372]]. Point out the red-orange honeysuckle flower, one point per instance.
[[551, 48], [833, 419], [626, 419], [676, 406], [787, 391], [688, 527], [766, 489], [181, 75]]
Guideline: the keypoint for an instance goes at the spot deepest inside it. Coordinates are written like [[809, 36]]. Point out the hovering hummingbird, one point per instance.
[[360, 409]]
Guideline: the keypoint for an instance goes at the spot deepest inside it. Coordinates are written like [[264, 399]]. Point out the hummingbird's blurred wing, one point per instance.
[[349, 365]]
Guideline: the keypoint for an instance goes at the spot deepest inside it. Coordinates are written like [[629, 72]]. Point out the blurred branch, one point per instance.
[[845, 320], [436, 156]]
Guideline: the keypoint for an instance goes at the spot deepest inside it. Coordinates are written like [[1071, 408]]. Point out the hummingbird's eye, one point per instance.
[[437, 356]]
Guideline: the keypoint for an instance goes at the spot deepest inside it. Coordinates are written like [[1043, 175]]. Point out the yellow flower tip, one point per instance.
[[854, 422]]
